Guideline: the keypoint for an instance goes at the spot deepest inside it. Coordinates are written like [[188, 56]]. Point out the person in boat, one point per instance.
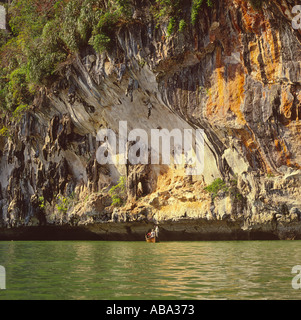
[[148, 234], [157, 231]]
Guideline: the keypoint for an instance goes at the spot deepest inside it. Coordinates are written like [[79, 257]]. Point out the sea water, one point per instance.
[[105, 270]]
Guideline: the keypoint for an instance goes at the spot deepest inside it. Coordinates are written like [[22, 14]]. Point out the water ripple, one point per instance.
[[138, 270]]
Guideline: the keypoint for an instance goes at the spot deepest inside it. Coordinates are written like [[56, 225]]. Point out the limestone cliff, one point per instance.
[[236, 74]]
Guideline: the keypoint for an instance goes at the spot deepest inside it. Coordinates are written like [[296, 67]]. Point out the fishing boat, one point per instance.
[[151, 239], [152, 236]]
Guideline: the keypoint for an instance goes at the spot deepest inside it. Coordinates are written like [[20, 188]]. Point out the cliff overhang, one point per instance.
[[236, 75]]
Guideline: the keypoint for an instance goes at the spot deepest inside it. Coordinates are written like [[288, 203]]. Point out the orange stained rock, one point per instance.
[[228, 90], [252, 19], [283, 152], [287, 101], [266, 46], [271, 53]]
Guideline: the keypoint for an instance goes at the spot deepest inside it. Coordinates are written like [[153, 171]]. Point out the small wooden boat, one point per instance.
[[151, 239], [152, 235]]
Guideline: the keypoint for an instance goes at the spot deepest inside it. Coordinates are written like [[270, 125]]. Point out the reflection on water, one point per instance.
[[139, 270]]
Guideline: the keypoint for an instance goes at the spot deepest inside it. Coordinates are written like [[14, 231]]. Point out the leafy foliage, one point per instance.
[[171, 26], [41, 203], [218, 185], [100, 42], [63, 204], [4, 131], [175, 11], [118, 192], [182, 25], [43, 33], [195, 9]]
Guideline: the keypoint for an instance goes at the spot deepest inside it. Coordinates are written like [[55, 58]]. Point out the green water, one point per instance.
[[139, 270]]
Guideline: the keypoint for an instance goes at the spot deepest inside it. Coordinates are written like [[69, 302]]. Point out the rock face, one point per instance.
[[236, 75]]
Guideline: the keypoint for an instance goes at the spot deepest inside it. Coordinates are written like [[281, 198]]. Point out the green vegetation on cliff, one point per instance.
[[175, 11], [229, 188], [43, 35], [118, 192]]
